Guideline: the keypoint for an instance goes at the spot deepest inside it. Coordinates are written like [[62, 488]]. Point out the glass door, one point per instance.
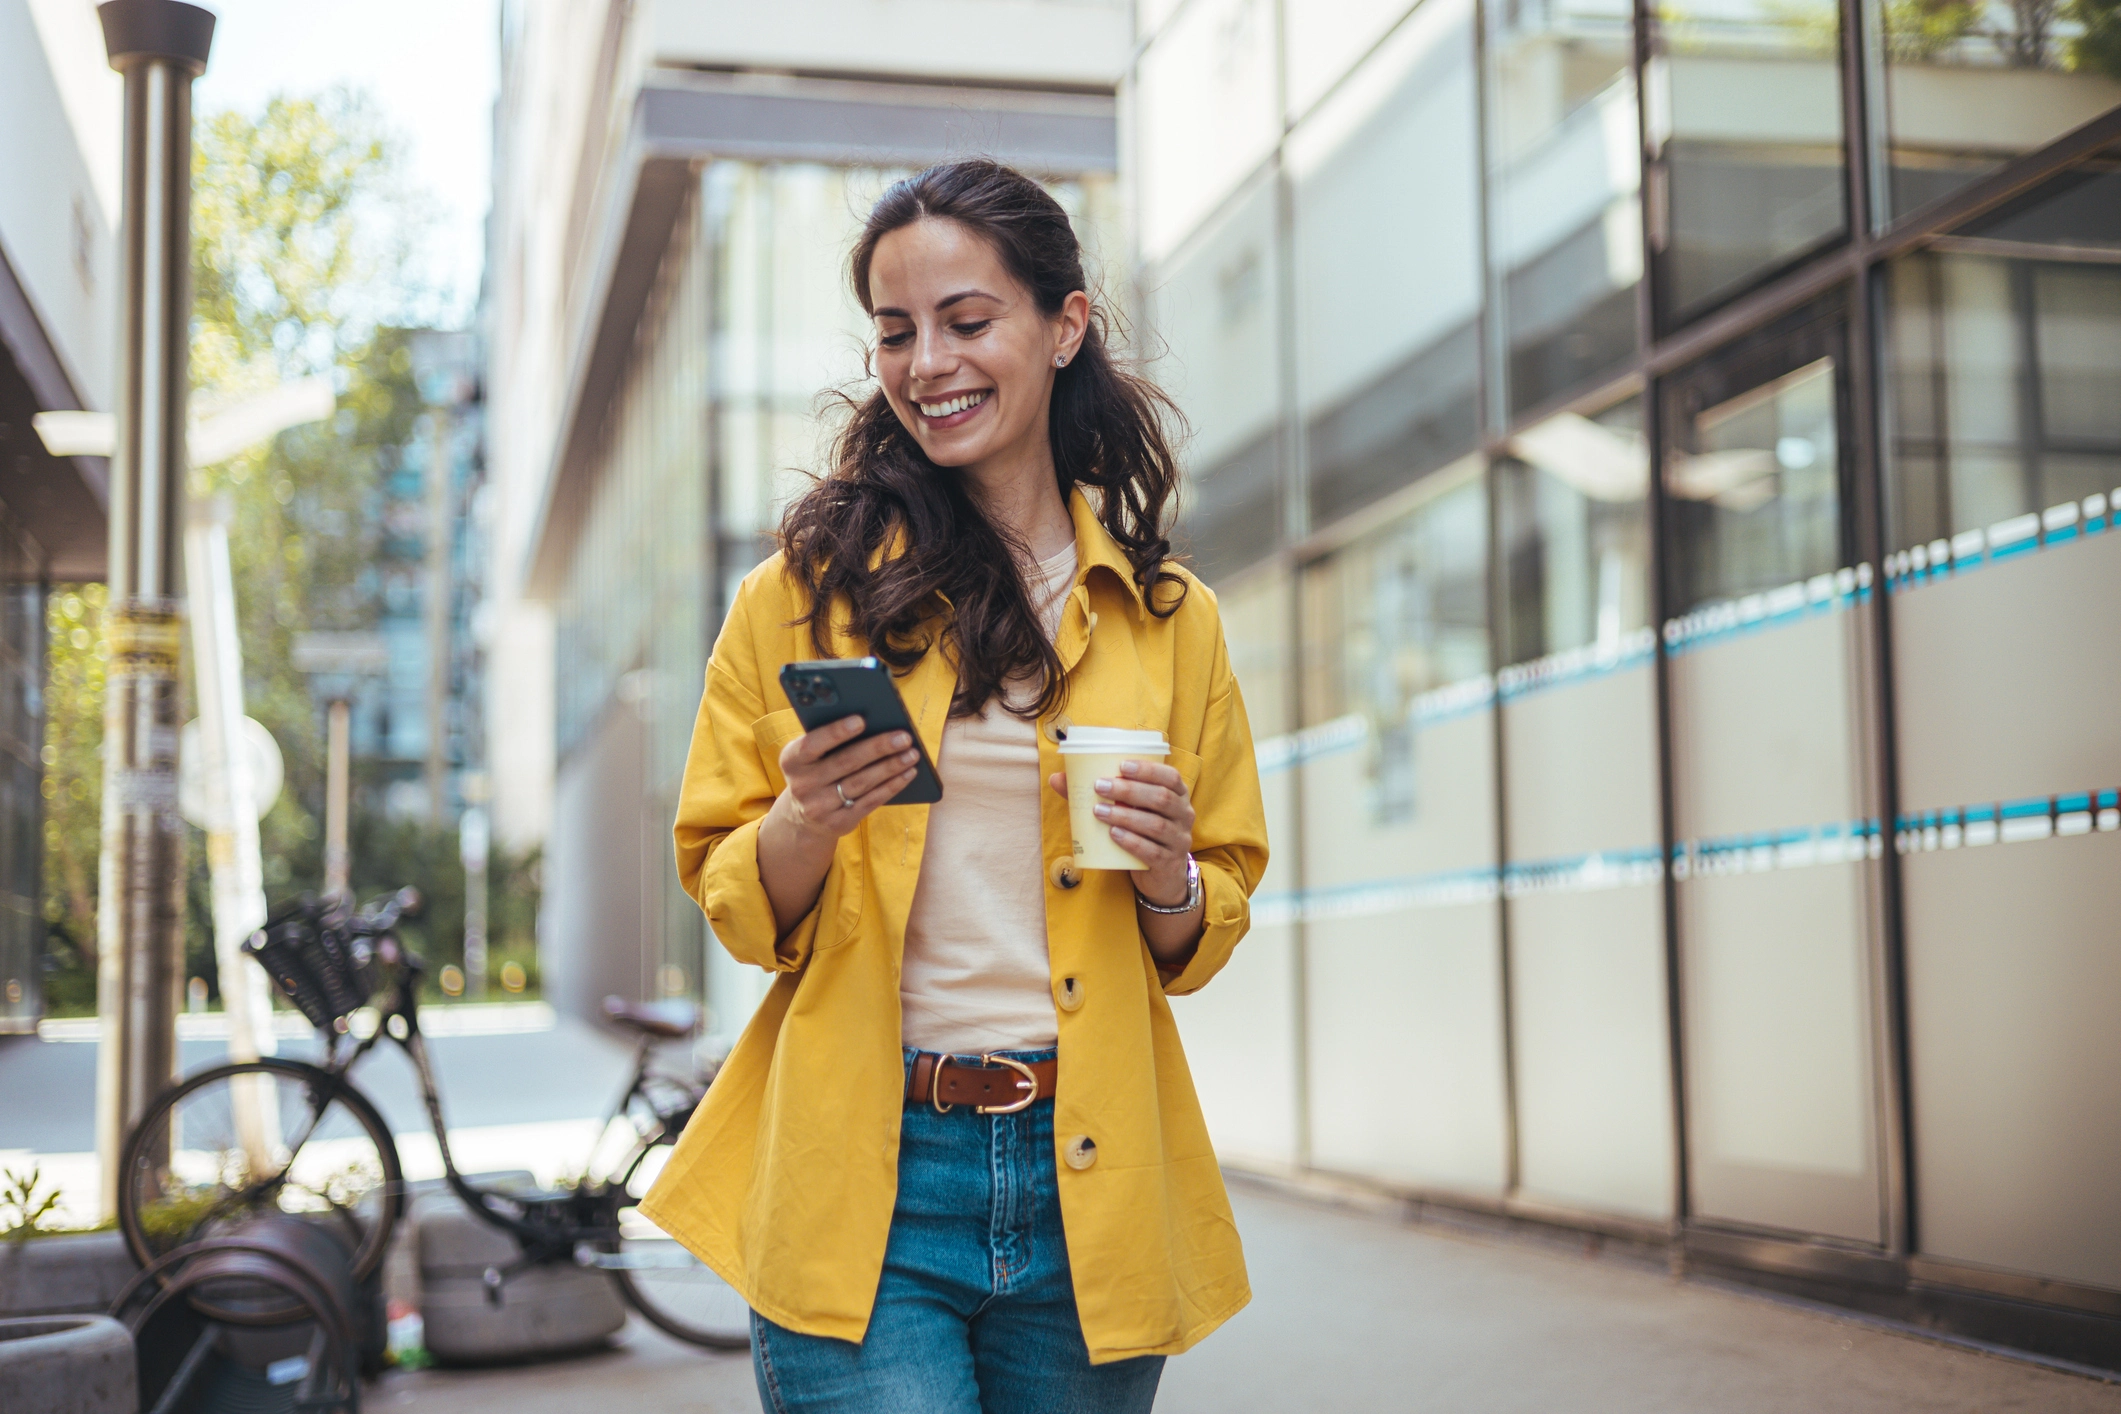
[[1775, 835]]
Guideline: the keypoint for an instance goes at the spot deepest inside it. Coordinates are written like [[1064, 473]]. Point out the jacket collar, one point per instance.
[[1095, 548]]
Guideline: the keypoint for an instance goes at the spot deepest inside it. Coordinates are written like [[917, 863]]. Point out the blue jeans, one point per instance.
[[975, 1313]]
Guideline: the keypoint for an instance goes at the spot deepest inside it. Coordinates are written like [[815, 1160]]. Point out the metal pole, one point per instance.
[[160, 46], [338, 752]]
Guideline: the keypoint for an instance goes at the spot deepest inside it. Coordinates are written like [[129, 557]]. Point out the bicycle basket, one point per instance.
[[310, 958]]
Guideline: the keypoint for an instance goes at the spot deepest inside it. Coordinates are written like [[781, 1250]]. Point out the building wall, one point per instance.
[[59, 177], [1607, 558]]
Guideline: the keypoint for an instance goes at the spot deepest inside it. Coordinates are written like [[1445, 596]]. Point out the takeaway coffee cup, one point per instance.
[[1091, 754]]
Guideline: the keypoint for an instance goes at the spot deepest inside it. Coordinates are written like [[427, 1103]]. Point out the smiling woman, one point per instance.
[[956, 1163]]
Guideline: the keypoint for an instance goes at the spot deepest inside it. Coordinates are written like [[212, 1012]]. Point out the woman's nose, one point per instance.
[[931, 357]]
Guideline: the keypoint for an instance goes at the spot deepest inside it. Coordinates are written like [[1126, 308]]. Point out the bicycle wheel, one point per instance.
[[677, 1292], [264, 1135]]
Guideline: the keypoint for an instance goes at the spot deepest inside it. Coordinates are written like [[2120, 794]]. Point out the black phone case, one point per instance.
[[823, 692]]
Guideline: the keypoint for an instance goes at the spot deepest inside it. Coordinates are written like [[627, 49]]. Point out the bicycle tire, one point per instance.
[[709, 1318], [373, 1242]]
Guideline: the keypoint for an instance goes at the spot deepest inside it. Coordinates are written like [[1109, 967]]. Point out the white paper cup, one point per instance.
[[1091, 754]]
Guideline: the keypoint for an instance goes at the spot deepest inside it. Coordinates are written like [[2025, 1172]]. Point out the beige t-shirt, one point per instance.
[[975, 976]]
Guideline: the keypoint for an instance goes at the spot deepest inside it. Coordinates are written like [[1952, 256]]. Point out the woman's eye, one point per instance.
[[895, 341], [968, 330]]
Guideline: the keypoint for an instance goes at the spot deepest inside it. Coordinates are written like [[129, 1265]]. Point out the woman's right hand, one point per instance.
[[834, 781]]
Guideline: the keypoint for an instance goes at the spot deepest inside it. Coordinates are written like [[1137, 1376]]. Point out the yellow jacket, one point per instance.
[[784, 1181]]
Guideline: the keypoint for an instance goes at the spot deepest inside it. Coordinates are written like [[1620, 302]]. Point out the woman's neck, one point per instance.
[[1020, 494]]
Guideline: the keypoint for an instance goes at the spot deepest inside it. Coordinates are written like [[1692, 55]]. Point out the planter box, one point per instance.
[[67, 1365], [78, 1272]]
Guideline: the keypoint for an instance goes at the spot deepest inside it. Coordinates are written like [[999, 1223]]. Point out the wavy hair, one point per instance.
[[900, 541]]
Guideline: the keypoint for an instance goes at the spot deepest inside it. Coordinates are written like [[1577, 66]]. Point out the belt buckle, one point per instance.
[[1029, 1085]]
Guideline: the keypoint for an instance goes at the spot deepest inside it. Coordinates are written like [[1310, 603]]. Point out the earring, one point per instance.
[[1060, 360]]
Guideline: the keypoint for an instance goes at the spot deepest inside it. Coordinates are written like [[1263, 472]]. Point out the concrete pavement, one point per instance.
[[1355, 1311]]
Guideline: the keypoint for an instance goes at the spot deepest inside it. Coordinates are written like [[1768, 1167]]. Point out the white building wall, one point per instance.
[[59, 179]]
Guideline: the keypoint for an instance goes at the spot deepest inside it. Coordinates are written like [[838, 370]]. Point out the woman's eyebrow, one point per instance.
[[893, 312]]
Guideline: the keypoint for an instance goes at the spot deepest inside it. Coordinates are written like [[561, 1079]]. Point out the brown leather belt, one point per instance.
[[1000, 1087]]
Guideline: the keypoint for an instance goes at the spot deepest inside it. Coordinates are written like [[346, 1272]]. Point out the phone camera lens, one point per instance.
[[803, 697]]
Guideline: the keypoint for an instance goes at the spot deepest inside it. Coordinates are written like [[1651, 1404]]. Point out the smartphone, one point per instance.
[[826, 691]]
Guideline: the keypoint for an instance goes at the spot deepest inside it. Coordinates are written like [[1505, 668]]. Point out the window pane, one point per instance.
[[1756, 493], [1390, 620], [1744, 102], [1575, 535], [1388, 265], [1969, 86], [2004, 399], [1565, 144], [1213, 313], [1205, 102], [1324, 38]]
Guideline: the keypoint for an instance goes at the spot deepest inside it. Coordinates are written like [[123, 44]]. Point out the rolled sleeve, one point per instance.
[[1229, 831], [728, 788]]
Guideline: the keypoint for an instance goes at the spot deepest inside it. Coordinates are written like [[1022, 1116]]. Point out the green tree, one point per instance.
[[2097, 49], [301, 239]]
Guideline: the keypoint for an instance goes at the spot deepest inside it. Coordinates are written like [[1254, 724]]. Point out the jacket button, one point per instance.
[[1071, 994], [1081, 1152], [1057, 728], [1063, 873]]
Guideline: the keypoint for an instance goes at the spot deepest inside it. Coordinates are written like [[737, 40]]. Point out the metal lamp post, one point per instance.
[[160, 46]]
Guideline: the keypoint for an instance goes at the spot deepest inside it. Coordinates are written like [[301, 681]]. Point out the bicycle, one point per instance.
[[301, 1138]]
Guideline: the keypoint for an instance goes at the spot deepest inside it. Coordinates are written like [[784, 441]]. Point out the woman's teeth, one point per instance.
[[954, 405]]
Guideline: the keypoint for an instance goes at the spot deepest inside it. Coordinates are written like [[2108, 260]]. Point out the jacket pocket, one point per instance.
[[1188, 766], [839, 901]]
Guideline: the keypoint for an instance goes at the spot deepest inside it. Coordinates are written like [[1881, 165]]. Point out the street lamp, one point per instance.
[[160, 46]]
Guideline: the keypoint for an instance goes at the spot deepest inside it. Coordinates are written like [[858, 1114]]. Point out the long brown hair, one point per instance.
[[901, 541]]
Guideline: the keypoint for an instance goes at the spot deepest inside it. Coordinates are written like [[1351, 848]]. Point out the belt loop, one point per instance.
[[923, 1074]]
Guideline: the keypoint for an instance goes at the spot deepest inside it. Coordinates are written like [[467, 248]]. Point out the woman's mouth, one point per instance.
[[952, 411]]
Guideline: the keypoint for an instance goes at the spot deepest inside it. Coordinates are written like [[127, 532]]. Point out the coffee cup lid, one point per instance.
[[1113, 740]]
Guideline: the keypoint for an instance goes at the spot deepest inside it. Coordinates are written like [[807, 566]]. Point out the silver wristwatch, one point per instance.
[[1193, 892]]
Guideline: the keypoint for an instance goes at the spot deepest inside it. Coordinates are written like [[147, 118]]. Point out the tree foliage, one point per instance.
[[300, 268]]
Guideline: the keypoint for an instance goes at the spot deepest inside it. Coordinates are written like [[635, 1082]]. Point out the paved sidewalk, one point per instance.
[[1359, 1312]]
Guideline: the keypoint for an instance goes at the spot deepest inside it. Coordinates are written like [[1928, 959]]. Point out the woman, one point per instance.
[[994, 530]]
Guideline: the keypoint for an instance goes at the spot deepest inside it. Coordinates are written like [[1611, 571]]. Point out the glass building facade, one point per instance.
[[1656, 464]]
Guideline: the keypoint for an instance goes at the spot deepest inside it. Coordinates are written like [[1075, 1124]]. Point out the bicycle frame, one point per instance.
[[547, 1228]]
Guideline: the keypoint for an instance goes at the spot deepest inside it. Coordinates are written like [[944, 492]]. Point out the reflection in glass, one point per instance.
[[1970, 84], [1574, 535], [2003, 393], [1756, 491], [1387, 265], [1564, 145], [1744, 122], [1206, 109], [1392, 619], [1213, 309], [1322, 40]]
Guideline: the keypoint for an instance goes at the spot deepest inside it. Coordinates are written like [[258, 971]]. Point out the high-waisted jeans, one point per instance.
[[975, 1313]]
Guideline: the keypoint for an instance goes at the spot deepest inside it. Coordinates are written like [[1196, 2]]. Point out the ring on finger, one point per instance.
[[845, 803]]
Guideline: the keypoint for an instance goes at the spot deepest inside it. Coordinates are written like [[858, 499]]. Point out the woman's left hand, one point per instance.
[[1151, 817]]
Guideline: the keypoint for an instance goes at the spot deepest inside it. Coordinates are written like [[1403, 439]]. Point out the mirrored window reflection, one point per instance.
[[2004, 395], [1970, 84], [1207, 114], [1213, 309], [1755, 491], [1387, 265], [1564, 144], [1572, 506], [1393, 618], [1744, 109], [1322, 39]]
